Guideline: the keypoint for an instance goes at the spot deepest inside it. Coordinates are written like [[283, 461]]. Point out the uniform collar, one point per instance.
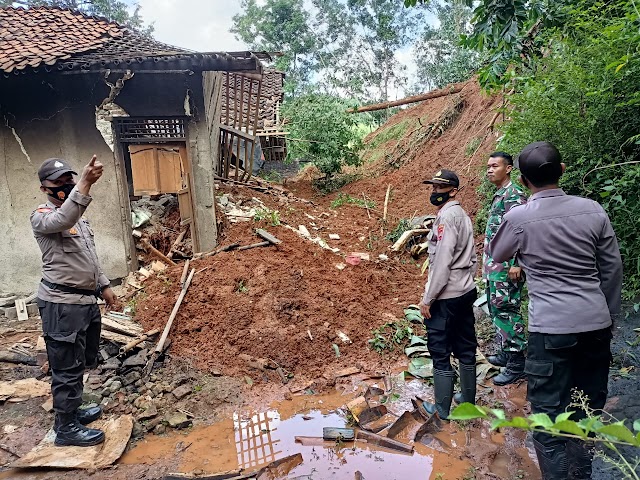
[[553, 192], [449, 205], [51, 205], [503, 188]]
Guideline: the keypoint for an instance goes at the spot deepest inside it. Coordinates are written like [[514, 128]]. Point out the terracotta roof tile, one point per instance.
[[35, 35]]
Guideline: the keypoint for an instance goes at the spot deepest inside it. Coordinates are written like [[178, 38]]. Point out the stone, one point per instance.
[[153, 423], [12, 312], [132, 377], [111, 364], [108, 382], [91, 397], [150, 412], [142, 402], [156, 390], [135, 361], [159, 429], [115, 386], [182, 391], [132, 398], [153, 378], [180, 380], [138, 430], [334, 236], [166, 388], [178, 420], [41, 358], [149, 385]]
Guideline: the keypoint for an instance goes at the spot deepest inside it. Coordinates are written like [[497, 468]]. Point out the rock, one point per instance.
[[149, 385], [108, 383], [216, 373], [115, 386], [153, 423], [180, 380], [111, 364], [132, 377], [182, 391], [334, 236], [138, 360], [91, 397], [166, 388], [142, 402], [153, 377], [156, 390], [132, 398], [159, 429], [150, 412], [138, 430], [178, 420], [288, 396]]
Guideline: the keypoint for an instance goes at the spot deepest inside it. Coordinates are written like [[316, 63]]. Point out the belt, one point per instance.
[[66, 289]]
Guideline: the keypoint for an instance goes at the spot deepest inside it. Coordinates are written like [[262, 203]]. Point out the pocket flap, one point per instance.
[[67, 337], [540, 368]]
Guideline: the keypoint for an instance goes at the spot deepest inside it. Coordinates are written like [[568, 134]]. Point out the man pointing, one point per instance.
[[72, 280]]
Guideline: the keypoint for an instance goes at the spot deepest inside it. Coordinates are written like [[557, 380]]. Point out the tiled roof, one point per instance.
[[54, 39]]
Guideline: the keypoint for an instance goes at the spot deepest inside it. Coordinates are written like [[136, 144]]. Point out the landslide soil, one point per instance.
[[270, 302]]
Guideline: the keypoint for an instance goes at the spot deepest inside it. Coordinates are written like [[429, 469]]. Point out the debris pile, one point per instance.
[[13, 307], [158, 231]]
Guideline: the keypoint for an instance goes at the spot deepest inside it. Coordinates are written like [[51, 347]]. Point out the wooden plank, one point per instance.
[[170, 170], [174, 312], [267, 236], [115, 337], [131, 329], [143, 170]]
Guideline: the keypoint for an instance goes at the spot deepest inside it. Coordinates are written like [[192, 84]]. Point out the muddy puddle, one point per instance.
[[247, 442]]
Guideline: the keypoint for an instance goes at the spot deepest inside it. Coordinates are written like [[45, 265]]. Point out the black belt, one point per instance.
[[66, 289]]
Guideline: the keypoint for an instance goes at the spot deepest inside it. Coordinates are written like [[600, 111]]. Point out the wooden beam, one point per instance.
[[451, 89]]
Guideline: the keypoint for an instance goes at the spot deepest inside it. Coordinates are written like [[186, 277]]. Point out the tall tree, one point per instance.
[[279, 26], [440, 58], [114, 10], [358, 45]]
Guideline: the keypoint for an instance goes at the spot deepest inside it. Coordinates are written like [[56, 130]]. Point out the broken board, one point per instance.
[[21, 309], [46, 454]]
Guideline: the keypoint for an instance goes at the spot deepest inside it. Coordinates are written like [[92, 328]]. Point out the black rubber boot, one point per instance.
[[580, 457], [467, 385], [84, 415], [552, 460], [442, 392], [513, 372], [500, 359], [72, 433]]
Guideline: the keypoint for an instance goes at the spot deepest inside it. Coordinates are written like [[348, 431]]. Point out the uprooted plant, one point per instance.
[[599, 428]]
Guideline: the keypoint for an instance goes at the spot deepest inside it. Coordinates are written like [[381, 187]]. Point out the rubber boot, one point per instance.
[[83, 415], [442, 392], [500, 359], [580, 456], [467, 385], [513, 372], [72, 433], [552, 460]]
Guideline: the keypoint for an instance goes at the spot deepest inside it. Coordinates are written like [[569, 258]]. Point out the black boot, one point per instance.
[[552, 460], [513, 372], [467, 385], [500, 359], [72, 433], [84, 415], [580, 456], [442, 392]]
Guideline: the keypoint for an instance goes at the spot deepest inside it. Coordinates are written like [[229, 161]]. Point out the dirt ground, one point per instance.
[[309, 311]]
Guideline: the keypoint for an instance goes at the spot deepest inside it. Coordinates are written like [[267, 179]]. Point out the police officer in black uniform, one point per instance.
[[72, 280]]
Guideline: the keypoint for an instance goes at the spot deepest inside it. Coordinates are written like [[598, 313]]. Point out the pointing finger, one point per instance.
[[93, 160]]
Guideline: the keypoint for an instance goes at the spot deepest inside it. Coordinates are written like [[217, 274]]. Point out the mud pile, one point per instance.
[[287, 303]]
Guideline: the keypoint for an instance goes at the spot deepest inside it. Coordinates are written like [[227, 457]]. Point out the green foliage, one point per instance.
[[384, 134], [403, 225], [271, 216], [346, 199], [114, 10], [391, 337], [279, 26], [328, 185], [595, 428], [440, 58], [322, 131], [584, 97]]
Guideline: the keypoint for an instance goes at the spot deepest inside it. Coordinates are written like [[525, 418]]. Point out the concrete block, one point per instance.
[[12, 312]]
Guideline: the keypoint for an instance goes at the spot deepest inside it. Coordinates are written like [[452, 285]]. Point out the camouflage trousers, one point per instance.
[[504, 299]]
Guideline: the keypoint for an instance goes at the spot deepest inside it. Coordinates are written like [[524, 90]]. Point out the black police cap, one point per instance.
[[444, 177], [54, 168], [540, 162]]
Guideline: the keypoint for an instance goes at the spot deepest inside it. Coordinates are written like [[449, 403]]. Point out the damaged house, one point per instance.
[[73, 85]]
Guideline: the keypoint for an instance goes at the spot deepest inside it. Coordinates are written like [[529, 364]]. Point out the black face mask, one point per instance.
[[62, 192], [438, 199]]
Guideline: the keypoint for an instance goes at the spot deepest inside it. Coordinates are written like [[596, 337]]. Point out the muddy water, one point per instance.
[[251, 441]]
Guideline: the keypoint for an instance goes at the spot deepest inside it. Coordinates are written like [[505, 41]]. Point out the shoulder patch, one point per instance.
[[44, 209]]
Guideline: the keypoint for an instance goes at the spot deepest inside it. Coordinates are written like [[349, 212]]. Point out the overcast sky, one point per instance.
[[201, 25]]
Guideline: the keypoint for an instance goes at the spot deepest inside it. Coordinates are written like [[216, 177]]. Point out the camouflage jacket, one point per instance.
[[504, 200]]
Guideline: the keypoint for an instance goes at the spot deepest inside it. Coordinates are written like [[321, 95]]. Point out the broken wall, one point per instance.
[[183, 95], [45, 116]]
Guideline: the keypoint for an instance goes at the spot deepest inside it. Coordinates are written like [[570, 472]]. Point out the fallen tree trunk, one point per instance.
[[455, 88]]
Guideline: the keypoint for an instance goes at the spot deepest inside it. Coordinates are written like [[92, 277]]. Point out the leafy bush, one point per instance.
[[320, 130], [584, 97]]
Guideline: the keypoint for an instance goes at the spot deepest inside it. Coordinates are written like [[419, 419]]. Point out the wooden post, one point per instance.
[[451, 89]]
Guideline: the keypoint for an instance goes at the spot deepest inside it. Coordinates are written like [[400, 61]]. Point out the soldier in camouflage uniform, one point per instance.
[[504, 280]]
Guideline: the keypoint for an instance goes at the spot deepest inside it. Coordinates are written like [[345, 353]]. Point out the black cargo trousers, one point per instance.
[[555, 366], [72, 335]]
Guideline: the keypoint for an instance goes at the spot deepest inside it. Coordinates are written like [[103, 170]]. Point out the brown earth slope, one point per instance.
[[270, 302]]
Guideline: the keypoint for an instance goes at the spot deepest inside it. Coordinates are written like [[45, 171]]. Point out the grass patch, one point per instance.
[[331, 184], [272, 216], [346, 199], [394, 132]]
